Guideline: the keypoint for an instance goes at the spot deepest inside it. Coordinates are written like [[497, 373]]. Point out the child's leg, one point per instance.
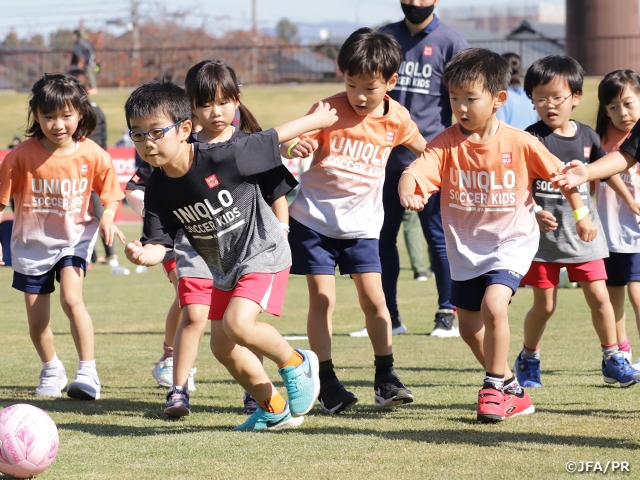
[[535, 321], [496, 323], [241, 363], [322, 301], [71, 283], [634, 298], [174, 315], [616, 295], [377, 318], [185, 350], [39, 318], [602, 314]]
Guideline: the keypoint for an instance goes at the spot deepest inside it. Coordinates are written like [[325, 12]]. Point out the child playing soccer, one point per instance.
[[484, 169], [210, 192], [554, 83], [51, 177], [337, 214], [619, 197]]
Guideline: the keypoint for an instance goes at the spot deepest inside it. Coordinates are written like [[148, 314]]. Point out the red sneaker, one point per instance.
[[490, 405], [515, 404]]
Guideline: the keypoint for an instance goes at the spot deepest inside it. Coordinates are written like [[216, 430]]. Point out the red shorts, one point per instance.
[[266, 289], [547, 275], [192, 290], [168, 266]]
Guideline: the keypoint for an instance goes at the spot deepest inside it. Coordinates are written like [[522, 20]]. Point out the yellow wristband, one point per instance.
[[289, 149], [580, 213], [111, 212]]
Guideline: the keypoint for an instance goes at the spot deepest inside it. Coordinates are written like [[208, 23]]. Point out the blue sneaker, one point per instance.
[[527, 371], [618, 370], [302, 383], [262, 420]]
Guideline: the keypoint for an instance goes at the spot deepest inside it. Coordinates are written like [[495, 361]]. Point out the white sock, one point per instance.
[[88, 364], [53, 363]]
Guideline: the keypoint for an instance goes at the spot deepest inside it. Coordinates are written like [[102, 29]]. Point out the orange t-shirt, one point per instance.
[[486, 202], [340, 196], [52, 199]]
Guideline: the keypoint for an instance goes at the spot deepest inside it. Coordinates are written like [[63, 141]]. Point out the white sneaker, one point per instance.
[[86, 385], [52, 381], [360, 333], [191, 385], [445, 326], [163, 372], [113, 261]]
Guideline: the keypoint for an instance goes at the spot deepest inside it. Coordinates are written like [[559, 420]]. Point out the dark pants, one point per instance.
[[431, 222]]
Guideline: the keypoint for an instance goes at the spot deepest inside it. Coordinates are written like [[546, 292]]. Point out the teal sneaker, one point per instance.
[[262, 420], [302, 383]]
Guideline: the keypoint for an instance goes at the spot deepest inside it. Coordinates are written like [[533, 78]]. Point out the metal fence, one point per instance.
[[20, 68]]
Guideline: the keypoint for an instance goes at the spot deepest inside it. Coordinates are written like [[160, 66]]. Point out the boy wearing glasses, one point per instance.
[[210, 191], [554, 84]]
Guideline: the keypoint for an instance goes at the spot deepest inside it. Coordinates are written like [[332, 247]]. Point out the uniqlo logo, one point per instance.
[[212, 181], [84, 168], [428, 51], [136, 178], [391, 136], [587, 152], [506, 158]]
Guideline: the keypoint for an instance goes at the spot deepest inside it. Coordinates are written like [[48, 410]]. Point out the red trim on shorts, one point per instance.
[[168, 266], [194, 291], [266, 289], [547, 274]]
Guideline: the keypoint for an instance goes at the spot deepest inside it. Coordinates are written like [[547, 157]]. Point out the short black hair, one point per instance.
[[371, 53], [478, 65], [158, 98], [54, 92], [545, 69]]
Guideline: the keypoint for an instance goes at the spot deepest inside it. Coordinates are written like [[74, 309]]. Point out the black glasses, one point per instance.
[[154, 133]]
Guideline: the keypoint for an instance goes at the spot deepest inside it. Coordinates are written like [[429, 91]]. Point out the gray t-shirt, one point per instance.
[[563, 244], [219, 206]]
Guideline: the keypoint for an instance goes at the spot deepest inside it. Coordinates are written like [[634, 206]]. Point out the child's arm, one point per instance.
[[147, 255], [585, 228], [617, 185], [135, 199], [546, 220], [280, 209], [576, 173], [323, 116], [107, 228], [2, 207], [418, 146], [298, 147], [407, 191]]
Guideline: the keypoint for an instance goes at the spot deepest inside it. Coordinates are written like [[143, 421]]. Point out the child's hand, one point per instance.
[[586, 229], [570, 176], [304, 148], [108, 230], [546, 221], [325, 115], [136, 253], [634, 207], [413, 202]]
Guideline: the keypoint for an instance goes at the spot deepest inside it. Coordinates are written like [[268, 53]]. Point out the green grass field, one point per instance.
[[271, 104], [125, 435]]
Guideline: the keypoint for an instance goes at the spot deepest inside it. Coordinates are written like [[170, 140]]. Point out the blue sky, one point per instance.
[[43, 16]]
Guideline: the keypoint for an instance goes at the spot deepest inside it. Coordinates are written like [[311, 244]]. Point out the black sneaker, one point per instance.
[[445, 324], [177, 402], [333, 397], [389, 391]]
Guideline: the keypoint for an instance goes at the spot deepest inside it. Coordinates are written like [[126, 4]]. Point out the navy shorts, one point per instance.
[[316, 254], [45, 283], [622, 268], [468, 294]]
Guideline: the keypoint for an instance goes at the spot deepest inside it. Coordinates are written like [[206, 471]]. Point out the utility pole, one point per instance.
[[254, 16], [135, 31]]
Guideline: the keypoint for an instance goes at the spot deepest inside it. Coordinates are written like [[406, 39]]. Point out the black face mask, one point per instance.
[[416, 15]]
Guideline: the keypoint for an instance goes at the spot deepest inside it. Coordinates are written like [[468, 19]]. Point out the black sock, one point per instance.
[[325, 370], [396, 321], [383, 364]]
